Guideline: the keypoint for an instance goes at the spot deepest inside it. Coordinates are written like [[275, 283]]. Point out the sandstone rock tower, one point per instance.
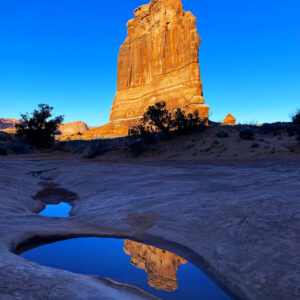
[[158, 61], [229, 120]]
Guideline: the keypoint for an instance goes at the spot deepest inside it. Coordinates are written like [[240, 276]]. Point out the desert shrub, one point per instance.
[[3, 152], [247, 134], [215, 143], [137, 146], [93, 150], [254, 146], [296, 117], [140, 137], [190, 144], [4, 136], [222, 134], [183, 123], [96, 148], [141, 130], [18, 147], [37, 129], [276, 129], [291, 149], [157, 119], [77, 146]]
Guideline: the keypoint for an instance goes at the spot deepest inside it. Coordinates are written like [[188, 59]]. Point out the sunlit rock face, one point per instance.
[[161, 266], [8, 125], [229, 120], [73, 128], [158, 61]]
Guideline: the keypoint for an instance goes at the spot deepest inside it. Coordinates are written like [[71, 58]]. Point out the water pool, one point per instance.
[[156, 271]]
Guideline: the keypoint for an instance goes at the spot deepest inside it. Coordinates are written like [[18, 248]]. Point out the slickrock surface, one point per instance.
[[158, 61], [73, 128], [229, 120], [161, 266], [239, 222]]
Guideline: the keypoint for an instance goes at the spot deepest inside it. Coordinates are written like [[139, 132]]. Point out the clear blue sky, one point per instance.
[[64, 53]]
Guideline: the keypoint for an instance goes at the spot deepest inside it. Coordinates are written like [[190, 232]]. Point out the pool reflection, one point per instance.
[[161, 273], [161, 266]]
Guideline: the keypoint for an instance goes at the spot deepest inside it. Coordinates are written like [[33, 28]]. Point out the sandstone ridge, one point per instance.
[[158, 61], [8, 125]]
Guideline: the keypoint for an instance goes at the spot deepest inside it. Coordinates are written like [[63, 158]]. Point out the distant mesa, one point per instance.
[[73, 128], [8, 125], [158, 61], [67, 129], [229, 120], [161, 266]]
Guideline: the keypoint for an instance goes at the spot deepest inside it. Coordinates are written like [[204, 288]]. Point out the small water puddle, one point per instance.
[[156, 271], [57, 210]]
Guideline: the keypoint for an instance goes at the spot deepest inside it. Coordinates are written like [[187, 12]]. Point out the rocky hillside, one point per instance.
[[8, 123]]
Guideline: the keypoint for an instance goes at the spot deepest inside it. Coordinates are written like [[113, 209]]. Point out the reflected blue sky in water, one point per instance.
[[106, 258]]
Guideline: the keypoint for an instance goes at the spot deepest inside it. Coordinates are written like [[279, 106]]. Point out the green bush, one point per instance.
[[137, 146], [296, 117], [37, 129], [222, 134], [183, 123], [18, 147], [157, 119], [247, 134]]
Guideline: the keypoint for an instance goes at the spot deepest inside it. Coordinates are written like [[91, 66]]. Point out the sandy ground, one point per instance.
[[238, 221]]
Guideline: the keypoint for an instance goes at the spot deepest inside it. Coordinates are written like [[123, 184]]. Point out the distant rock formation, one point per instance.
[[8, 124], [158, 61], [161, 266], [67, 129], [73, 128], [229, 120]]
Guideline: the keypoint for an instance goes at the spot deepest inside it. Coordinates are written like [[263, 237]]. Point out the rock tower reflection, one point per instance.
[[161, 266]]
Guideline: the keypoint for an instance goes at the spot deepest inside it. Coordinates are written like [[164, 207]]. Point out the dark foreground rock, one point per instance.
[[239, 222]]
